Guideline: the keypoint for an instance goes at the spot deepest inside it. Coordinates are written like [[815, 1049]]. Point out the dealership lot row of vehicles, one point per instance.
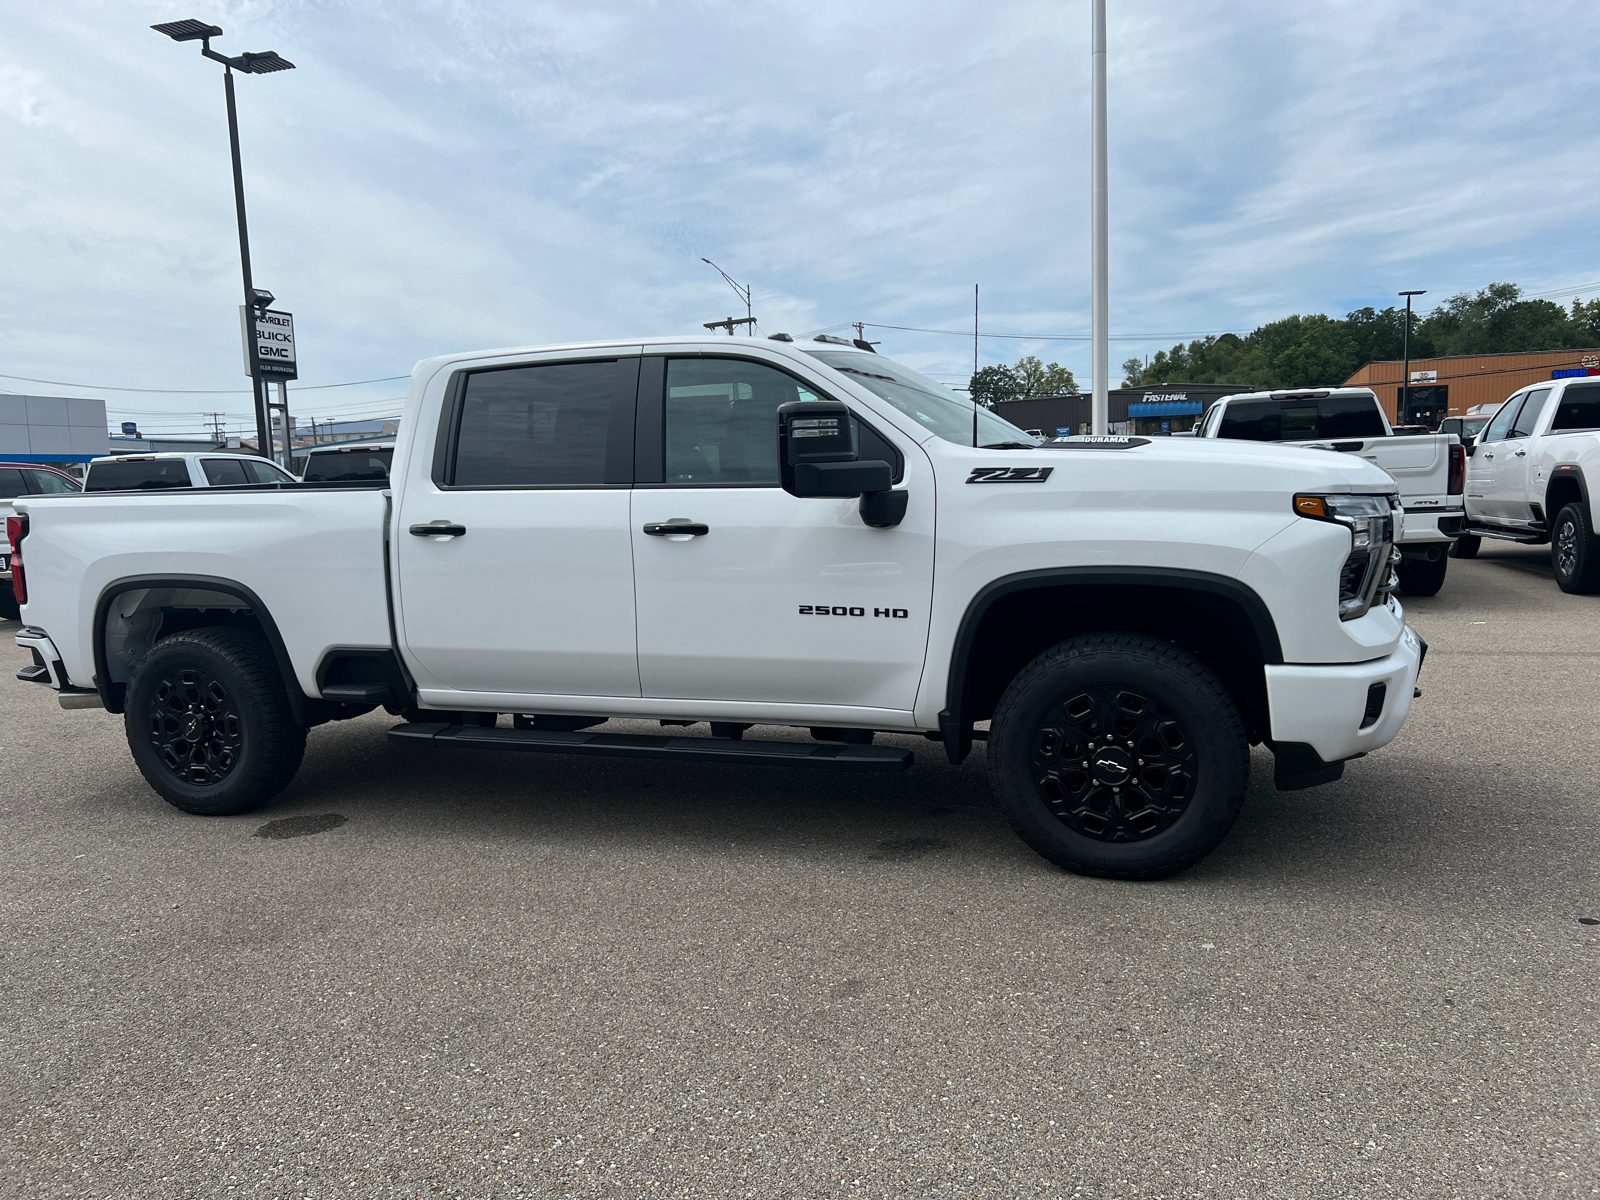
[[779, 533]]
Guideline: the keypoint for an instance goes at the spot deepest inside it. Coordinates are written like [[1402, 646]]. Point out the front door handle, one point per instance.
[[1488, 453], [439, 529], [1522, 454], [676, 529]]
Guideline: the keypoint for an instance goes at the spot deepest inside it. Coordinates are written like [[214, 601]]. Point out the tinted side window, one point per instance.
[[11, 484], [1349, 417], [222, 471], [137, 476], [48, 482], [1251, 421], [1579, 408], [265, 472], [1528, 417], [1501, 422], [544, 424]]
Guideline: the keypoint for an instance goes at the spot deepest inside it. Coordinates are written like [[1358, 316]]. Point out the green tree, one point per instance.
[[1132, 372], [1036, 379], [991, 385]]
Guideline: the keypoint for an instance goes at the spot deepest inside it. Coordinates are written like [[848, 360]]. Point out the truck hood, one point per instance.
[[1253, 466]]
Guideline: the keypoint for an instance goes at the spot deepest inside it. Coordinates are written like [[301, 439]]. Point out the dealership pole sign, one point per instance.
[[268, 343]]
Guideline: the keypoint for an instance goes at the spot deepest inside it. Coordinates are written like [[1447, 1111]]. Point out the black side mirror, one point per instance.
[[1470, 442], [817, 458]]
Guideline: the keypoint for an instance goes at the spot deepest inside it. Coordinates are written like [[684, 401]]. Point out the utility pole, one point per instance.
[[1100, 403], [214, 419], [743, 292], [974, 329], [728, 323], [1400, 417]]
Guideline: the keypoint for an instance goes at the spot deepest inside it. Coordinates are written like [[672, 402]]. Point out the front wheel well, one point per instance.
[[1218, 628]]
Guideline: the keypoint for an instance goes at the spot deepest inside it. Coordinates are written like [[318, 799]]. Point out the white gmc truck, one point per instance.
[[1430, 468], [769, 533]]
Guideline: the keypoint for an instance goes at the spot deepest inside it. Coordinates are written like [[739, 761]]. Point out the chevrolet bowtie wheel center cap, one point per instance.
[[1111, 766]]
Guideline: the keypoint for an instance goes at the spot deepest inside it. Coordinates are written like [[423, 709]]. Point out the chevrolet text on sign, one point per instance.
[[269, 343]]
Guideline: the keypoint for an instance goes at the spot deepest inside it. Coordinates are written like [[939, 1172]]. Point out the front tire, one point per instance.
[[209, 723], [1466, 546], [1422, 577], [1119, 755], [1575, 552]]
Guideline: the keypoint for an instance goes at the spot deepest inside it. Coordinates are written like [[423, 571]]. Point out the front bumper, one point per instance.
[[1327, 707]]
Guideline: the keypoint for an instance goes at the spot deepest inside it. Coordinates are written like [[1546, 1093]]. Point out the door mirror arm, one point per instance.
[[817, 458]]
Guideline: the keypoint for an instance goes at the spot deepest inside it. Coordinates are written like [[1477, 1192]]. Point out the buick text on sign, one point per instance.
[[269, 343]]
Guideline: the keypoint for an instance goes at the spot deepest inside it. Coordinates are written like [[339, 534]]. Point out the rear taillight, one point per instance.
[[16, 530], [1458, 470]]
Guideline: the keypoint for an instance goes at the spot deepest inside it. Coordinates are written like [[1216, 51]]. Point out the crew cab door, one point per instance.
[[1507, 491], [527, 585], [766, 597], [1491, 449]]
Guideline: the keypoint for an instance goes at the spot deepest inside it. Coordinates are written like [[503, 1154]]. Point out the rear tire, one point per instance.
[[209, 723], [1466, 546], [1575, 552], [1420, 577], [1119, 755], [10, 610]]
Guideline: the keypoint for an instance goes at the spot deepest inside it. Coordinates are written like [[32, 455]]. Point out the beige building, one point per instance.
[[1445, 387]]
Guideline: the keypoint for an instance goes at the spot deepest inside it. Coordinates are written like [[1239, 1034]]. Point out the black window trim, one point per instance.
[[650, 440], [619, 432]]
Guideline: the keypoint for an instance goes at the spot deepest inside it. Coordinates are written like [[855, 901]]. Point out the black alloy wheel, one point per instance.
[[209, 723], [1120, 755], [1114, 765], [194, 726], [1575, 551]]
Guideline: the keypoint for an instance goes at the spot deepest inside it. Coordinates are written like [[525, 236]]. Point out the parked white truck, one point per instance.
[[1429, 467], [1529, 474], [743, 534]]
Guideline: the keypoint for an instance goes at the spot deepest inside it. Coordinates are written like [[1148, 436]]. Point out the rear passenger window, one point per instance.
[[538, 425], [1528, 416], [220, 472], [1579, 408]]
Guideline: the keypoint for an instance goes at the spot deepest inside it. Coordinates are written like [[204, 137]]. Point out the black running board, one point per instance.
[[1530, 538], [834, 756]]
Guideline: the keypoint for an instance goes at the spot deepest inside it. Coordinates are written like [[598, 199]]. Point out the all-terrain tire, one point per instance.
[[1575, 551], [209, 723], [1107, 715], [1466, 546], [1420, 577], [10, 610]]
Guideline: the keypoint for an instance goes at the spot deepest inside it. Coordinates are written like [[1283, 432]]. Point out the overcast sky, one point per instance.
[[441, 176]]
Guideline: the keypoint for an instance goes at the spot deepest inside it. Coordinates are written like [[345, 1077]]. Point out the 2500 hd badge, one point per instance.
[[848, 610]]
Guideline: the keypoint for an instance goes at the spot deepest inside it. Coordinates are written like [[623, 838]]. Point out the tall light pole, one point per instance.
[[741, 291], [1405, 370], [1100, 401], [264, 63]]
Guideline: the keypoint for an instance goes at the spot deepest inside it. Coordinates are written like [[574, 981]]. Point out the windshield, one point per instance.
[[927, 403]]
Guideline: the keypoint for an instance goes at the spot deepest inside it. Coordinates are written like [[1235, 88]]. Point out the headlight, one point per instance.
[[1367, 576]]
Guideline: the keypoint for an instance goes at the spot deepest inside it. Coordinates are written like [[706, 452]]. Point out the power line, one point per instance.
[[106, 387], [1047, 337]]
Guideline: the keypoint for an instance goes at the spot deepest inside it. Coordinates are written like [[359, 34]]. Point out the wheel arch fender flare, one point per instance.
[[1562, 475], [113, 693], [955, 728]]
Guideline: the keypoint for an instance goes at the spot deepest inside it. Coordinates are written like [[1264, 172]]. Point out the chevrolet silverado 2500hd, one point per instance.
[[784, 533], [1428, 467]]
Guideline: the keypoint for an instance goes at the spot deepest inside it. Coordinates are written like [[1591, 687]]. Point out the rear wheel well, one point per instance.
[[1021, 624], [1563, 490]]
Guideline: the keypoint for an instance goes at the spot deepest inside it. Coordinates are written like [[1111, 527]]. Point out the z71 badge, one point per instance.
[[1009, 474]]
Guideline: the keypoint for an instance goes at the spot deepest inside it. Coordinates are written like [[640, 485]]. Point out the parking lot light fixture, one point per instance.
[[264, 62], [1400, 415]]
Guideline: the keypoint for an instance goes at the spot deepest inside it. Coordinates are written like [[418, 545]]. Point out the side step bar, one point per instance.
[[835, 756], [1530, 538]]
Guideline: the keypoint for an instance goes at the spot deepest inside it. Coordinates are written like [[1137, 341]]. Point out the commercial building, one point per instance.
[[1152, 408], [51, 429], [1444, 387]]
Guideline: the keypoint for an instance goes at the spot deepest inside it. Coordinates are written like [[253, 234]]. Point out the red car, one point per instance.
[[23, 479]]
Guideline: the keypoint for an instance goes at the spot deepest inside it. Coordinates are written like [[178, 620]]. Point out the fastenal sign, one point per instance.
[[268, 343]]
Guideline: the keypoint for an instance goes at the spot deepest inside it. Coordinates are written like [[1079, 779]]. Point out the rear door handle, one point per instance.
[[676, 529], [439, 529]]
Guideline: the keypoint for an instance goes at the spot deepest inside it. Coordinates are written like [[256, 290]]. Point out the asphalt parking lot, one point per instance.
[[481, 976]]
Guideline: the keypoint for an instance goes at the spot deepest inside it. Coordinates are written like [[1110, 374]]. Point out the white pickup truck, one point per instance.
[[1429, 467], [769, 533], [1528, 478]]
